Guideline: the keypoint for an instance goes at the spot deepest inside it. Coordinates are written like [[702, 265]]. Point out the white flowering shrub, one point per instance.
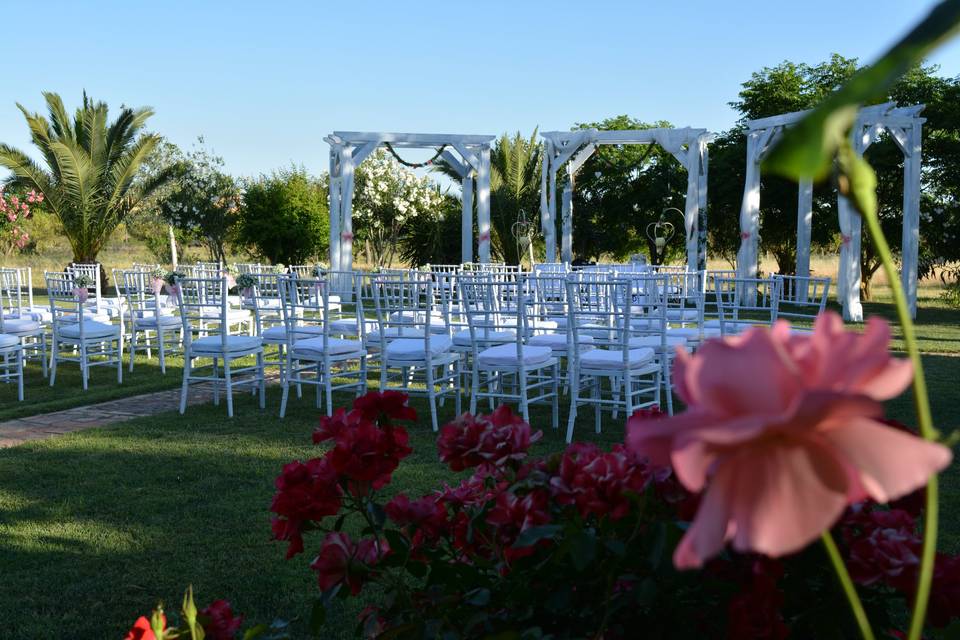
[[388, 198]]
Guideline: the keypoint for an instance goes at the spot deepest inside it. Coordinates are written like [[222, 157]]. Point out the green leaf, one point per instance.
[[807, 149], [534, 535], [583, 549], [377, 514]]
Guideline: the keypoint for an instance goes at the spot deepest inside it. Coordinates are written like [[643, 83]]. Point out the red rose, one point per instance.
[[342, 561], [426, 516], [220, 622], [390, 404], [489, 442], [512, 515], [335, 426], [142, 630], [305, 492], [367, 456], [599, 483]]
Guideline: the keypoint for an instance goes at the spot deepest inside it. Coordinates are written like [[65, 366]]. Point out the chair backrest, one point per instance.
[[406, 307], [648, 304], [141, 291], [250, 267], [92, 271], [66, 308], [306, 303], [801, 297], [264, 298], [598, 306], [203, 305], [12, 297], [710, 304], [493, 305], [683, 296], [749, 300], [546, 295], [24, 287]]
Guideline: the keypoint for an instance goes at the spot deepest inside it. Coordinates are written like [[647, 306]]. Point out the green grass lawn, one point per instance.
[[96, 526]]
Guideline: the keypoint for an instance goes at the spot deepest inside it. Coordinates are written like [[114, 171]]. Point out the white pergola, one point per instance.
[[349, 148], [688, 146], [904, 126]]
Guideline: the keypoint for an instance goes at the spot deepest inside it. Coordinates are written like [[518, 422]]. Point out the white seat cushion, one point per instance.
[[37, 314], [557, 341], [547, 324], [414, 349], [351, 326], [463, 338], [235, 344], [91, 329], [613, 359], [693, 333], [164, 320], [312, 348], [212, 312], [654, 342], [416, 317], [279, 333], [505, 355], [7, 341], [20, 325], [392, 333]]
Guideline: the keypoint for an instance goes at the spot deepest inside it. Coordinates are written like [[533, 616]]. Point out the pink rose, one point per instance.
[[783, 431]]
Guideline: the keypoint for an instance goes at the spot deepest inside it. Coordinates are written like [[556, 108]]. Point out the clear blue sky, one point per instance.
[[263, 82]]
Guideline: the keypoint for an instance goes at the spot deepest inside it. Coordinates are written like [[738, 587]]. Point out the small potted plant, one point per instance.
[[81, 287], [246, 283]]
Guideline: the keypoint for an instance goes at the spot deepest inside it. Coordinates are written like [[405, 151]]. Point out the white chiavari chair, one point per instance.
[[148, 316], [312, 353], [78, 337], [745, 302], [205, 318], [801, 298], [415, 344], [600, 307], [504, 367], [17, 318]]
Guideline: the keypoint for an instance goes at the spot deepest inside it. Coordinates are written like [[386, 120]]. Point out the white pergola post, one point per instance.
[[911, 213], [702, 181], [750, 210], [804, 230], [691, 209], [483, 206], [466, 222], [345, 262]]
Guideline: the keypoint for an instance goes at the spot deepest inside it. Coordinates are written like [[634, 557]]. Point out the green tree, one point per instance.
[[204, 201], [285, 217], [89, 178], [149, 224]]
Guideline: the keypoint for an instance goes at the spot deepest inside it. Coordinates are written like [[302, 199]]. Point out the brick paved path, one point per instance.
[[46, 425]]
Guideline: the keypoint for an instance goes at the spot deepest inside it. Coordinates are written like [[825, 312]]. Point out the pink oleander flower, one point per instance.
[[784, 432]]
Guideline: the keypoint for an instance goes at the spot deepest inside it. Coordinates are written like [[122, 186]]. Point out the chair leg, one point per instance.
[[20, 376], [263, 380], [43, 354], [133, 347], [668, 385], [431, 395], [229, 384], [556, 396], [524, 405], [328, 386], [84, 373], [120, 359], [216, 383], [597, 394], [53, 363], [285, 383], [319, 389], [574, 378], [187, 370], [474, 387], [160, 347]]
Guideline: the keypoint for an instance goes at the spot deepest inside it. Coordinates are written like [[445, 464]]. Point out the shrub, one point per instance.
[[285, 217]]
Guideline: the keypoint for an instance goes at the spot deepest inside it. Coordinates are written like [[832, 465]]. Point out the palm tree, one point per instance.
[[514, 187], [91, 166]]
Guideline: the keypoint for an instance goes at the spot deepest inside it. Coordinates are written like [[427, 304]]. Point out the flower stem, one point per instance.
[[858, 613], [921, 401]]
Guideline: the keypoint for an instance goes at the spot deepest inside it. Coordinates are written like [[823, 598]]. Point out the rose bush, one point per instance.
[[577, 544]]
